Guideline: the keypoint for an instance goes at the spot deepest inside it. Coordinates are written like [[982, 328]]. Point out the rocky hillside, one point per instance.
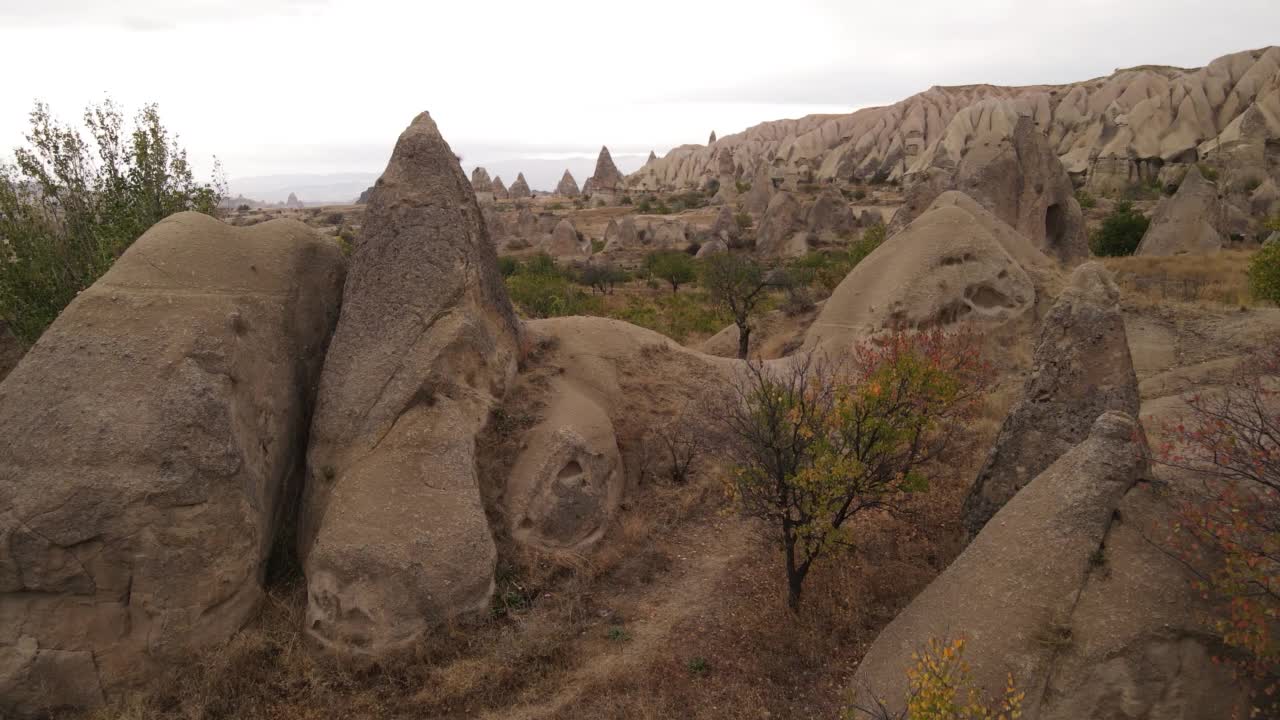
[[1108, 130]]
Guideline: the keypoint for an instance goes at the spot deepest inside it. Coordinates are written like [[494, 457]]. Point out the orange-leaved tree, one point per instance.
[[818, 441], [940, 687], [1228, 530]]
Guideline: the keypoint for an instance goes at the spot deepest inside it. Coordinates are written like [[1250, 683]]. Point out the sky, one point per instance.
[[321, 87]]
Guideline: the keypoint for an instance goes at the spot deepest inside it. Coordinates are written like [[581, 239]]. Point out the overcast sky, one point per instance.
[[324, 86]]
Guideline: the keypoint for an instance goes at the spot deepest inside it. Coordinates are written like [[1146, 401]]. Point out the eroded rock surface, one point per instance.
[[393, 535], [150, 444]]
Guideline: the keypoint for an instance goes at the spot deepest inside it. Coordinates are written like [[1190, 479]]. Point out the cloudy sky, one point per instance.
[[275, 87]]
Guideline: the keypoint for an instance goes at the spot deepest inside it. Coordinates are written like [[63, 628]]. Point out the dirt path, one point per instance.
[[701, 557]]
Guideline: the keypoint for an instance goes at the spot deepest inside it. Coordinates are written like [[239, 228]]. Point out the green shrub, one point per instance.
[[1210, 173], [70, 206], [1086, 200], [1264, 274], [743, 186], [859, 194], [1120, 233], [597, 245], [676, 316], [555, 206], [670, 266], [507, 265], [334, 218], [544, 296], [644, 207]]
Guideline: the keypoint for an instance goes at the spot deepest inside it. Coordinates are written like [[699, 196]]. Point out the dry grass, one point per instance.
[[1206, 281]]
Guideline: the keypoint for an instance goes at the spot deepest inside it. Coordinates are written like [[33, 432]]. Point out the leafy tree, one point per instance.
[[1228, 528], [69, 206], [673, 267], [1121, 231], [1264, 273], [817, 443], [601, 277], [737, 283], [940, 686]]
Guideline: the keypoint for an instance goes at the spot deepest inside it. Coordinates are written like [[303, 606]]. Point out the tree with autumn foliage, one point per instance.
[[940, 686], [1228, 531], [819, 441]]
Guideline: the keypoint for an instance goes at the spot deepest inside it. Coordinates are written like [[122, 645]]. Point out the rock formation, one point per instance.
[[712, 140], [621, 235], [1191, 222], [951, 263], [568, 187], [393, 535], [606, 178], [499, 189], [1082, 369], [149, 443], [777, 232], [652, 157], [830, 217], [1001, 159], [480, 181], [565, 243], [756, 201], [519, 189], [1013, 590], [725, 227], [364, 196], [293, 203], [1264, 201], [712, 246], [565, 487], [1112, 131]]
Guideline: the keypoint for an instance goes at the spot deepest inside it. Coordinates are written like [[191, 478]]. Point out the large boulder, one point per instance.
[[951, 264], [1005, 162], [1191, 222], [568, 481], [148, 448], [778, 228], [1012, 592], [621, 235], [830, 217], [520, 188], [568, 187], [565, 243], [393, 534], [1082, 369]]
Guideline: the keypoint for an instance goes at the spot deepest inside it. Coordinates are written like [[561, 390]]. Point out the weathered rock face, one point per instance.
[[520, 188], [566, 485], [1126, 125], [606, 178], [500, 189], [725, 226], [830, 217], [1264, 201], [756, 200], [480, 181], [364, 197], [1082, 369], [621, 235], [565, 243], [712, 140], [149, 447], [1001, 159], [293, 202], [948, 265], [1191, 222], [1014, 589], [393, 535], [711, 247], [778, 227], [568, 187]]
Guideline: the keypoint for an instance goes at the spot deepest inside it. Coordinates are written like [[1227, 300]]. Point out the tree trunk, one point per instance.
[[795, 575], [744, 340]]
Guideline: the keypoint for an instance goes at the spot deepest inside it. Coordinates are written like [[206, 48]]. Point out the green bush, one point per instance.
[[859, 194], [1086, 200], [1120, 233], [1209, 173], [670, 266], [541, 289], [743, 186], [1264, 274], [507, 265], [743, 219], [676, 316], [70, 205]]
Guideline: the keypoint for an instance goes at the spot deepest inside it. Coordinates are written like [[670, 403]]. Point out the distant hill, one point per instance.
[[310, 189]]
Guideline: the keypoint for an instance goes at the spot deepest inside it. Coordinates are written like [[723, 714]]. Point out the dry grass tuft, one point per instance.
[[1206, 281]]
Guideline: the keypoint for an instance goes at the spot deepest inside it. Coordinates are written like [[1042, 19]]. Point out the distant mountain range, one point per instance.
[[329, 189]]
